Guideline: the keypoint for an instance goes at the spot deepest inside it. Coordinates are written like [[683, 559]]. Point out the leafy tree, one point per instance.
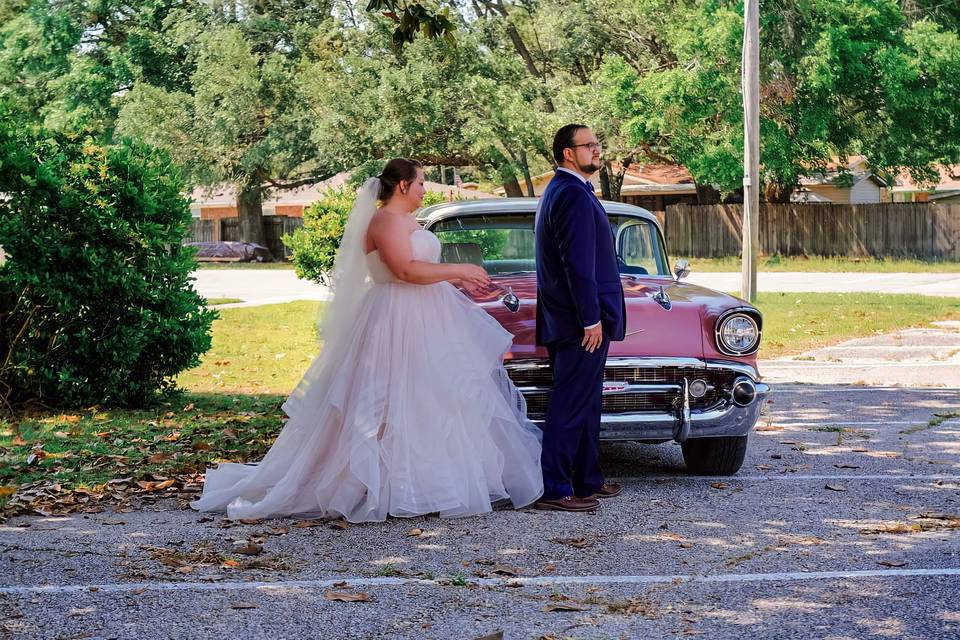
[[244, 117], [837, 78]]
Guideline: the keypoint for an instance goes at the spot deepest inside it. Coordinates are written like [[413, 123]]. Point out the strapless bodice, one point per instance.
[[426, 248]]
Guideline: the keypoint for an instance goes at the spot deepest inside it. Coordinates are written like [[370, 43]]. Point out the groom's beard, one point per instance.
[[590, 167]]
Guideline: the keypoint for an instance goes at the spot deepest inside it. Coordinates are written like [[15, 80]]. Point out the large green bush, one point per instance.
[[96, 302], [315, 244]]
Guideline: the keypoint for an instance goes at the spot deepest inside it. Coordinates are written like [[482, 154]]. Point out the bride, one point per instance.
[[407, 410]]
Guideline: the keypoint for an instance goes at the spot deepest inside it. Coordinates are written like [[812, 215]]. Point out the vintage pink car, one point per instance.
[[687, 369]]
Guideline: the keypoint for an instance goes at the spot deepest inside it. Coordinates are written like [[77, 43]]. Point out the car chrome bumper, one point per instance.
[[727, 419]]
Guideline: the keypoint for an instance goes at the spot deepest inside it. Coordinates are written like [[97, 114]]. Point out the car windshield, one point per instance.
[[503, 244]]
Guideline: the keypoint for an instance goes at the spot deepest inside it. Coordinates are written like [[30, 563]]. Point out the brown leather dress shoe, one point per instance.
[[608, 490], [570, 503]]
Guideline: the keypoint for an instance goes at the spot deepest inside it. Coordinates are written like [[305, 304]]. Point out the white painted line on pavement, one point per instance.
[[895, 347], [807, 364], [788, 387], [534, 581], [799, 477], [857, 423]]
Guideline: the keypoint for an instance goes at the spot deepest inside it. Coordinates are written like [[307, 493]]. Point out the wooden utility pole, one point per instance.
[[750, 88]]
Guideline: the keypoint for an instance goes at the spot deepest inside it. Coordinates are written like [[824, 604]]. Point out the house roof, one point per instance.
[[226, 195], [949, 181], [638, 179]]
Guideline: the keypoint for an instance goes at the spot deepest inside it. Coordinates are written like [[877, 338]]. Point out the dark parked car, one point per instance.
[[231, 251]]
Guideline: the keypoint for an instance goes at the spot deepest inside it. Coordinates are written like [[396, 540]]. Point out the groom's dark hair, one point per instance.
[[564, 139]]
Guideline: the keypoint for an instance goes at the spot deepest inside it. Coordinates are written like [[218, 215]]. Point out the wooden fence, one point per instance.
[[228, 229], [909, 230]]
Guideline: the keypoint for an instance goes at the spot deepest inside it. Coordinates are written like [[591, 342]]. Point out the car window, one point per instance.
[[505, 244], [501, 244], [638, 248]]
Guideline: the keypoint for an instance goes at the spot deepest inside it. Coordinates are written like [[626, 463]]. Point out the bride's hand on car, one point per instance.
[[473, 278]]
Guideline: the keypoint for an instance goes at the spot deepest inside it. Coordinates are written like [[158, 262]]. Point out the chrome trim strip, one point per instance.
[[640, 389], [645, 363], [514, 206], [627, 363], [739, 367]]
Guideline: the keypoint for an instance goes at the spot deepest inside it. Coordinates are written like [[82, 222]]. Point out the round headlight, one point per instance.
[[738, 334]]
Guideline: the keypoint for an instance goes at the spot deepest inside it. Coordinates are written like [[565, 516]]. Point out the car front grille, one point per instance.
[[541, 378]]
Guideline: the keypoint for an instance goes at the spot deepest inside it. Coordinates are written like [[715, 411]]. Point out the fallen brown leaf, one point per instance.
[[306, 524], [892, 563], [343, 596], [339, 524], [504, 570], [246, 548], [414, 532], [718, 485], [576, 543], [564, 606]]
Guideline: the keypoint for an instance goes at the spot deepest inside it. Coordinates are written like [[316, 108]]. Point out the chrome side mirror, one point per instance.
[[681, 269]]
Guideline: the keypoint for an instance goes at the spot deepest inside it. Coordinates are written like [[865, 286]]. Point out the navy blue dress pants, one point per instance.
[[571, 430]]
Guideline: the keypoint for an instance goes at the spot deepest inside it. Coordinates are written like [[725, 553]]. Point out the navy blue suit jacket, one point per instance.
[[578, 280]]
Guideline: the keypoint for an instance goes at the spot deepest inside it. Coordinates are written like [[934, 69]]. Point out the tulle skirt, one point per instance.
[[412, 414]]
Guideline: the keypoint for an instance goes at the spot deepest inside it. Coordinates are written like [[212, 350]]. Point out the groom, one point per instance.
[[580, 309]]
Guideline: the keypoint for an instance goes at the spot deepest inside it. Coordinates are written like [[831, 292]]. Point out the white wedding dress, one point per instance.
[[414, 415]]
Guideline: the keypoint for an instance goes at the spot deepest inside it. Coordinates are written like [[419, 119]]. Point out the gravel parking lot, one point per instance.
[[843, 523]]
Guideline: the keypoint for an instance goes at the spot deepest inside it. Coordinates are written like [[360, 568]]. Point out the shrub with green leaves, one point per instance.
[[315, 244], [96, 301]]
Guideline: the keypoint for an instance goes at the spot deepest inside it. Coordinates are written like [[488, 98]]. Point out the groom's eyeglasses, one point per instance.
[[592, 146]]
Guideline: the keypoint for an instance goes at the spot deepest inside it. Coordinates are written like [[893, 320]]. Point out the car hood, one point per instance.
[[652, 330]]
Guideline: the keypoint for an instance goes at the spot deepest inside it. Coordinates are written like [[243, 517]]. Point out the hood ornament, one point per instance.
[[509, 299], [662, 299]]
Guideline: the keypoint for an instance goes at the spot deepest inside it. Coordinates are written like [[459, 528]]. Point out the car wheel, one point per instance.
[[719, 456]]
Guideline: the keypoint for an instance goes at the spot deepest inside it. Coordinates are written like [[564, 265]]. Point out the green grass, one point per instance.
[[257, 350], [213, 301], [797, 322], [230, 409], [829, 265]]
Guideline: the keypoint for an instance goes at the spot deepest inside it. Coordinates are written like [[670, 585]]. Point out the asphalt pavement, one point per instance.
[[844, 522]]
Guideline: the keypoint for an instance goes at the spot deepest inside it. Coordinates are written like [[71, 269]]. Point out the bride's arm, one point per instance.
[[392, 239]]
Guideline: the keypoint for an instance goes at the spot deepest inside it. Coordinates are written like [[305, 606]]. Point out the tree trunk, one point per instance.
[[250, 210], [512, 188], [526, 174], [777, 192], [605, 192]]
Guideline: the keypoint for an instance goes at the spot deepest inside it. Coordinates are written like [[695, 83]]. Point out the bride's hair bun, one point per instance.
[[396, 170]]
